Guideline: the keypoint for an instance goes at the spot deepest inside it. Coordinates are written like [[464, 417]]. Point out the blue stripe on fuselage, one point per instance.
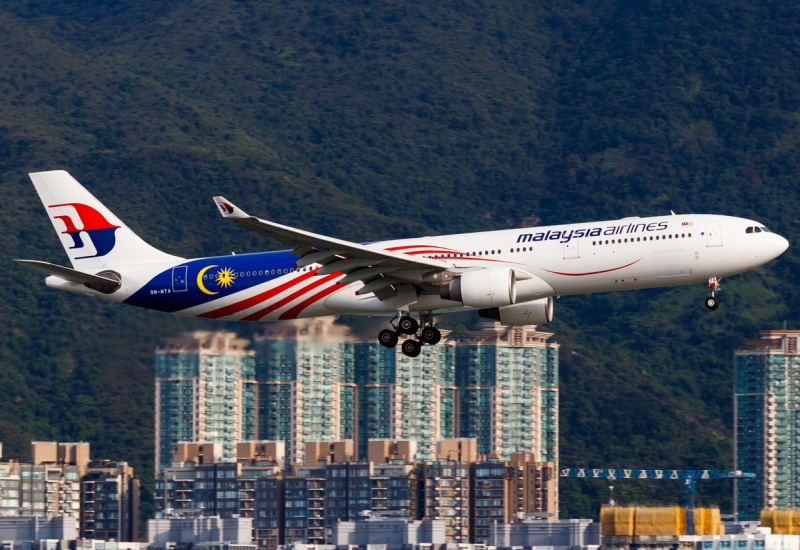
[[159, 293]]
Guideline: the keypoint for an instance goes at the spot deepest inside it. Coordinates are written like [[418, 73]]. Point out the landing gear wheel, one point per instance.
[[387, 338], [712, 302], [411, 348], [407, 325], [430, 335]]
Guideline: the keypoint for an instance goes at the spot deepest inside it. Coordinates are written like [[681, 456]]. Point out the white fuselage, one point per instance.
[[570, 259]]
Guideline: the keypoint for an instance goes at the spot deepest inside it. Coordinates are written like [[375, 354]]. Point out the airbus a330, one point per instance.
[[509, 275]]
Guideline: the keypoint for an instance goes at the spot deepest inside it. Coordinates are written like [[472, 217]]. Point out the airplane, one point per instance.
[[509, 275]]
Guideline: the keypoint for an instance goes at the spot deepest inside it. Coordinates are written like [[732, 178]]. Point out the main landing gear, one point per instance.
[[713, 287], [405, 324]]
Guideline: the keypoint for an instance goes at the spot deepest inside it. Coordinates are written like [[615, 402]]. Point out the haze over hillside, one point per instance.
[[375, 120]]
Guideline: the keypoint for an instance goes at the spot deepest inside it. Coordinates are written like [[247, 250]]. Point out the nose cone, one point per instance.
[[779, 246], [784, 245]]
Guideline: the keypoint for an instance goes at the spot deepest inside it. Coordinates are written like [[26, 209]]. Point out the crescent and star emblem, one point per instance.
[[200, 280]]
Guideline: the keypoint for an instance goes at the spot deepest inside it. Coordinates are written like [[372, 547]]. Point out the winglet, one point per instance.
[[228, 209]]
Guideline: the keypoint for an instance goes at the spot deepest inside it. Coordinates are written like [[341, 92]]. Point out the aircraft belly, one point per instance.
[[346, 302]]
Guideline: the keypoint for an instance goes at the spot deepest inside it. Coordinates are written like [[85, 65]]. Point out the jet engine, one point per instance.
[[483, 288], [536, 312]]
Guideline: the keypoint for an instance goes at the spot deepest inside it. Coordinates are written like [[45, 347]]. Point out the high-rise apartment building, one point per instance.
[[301, 503], [504, 489], [311, 381], [766, 410], [49, 486], [507, 379], [61, 481], [110, 502], [205, 391], [305, 390], [400, 397], [447, 496]]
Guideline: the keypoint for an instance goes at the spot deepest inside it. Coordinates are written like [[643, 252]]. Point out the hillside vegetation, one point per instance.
[[373, 120]]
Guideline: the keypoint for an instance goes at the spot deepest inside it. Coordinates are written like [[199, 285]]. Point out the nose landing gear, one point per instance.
[[405, 324], [712, 302]]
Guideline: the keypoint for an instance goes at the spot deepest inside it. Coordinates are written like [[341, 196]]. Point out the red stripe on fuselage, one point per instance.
[[591, 273], [462, 258], [418, 246], [280, 303], [296, 310], [255, 300]]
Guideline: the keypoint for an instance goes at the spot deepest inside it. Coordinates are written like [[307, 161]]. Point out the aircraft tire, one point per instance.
[[411, 348], [712, 303], [407, 325], [430, 335], [387, 338]]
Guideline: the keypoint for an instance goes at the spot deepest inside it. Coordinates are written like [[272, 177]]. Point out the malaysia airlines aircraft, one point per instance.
[[509, 275]]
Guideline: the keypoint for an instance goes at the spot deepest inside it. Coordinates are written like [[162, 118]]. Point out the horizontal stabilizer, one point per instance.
[[68, 274]]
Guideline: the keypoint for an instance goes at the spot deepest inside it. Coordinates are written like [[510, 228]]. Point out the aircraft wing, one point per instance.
[[359, 262]]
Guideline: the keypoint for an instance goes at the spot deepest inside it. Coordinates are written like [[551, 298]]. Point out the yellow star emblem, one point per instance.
[[226, 277]]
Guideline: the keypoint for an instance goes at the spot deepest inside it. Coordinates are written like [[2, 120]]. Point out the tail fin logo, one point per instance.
[[226, 208], [95, 226]]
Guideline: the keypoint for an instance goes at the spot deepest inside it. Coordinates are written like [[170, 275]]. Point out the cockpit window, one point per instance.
[[749, 230], [765, 230], [758, 230]]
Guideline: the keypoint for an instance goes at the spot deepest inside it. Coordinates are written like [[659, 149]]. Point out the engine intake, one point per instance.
[[485, 288], [536, 312]]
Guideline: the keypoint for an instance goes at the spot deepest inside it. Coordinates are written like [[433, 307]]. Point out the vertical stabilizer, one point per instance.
[[92, 236]]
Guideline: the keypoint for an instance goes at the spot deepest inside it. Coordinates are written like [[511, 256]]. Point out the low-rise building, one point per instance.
[[199, 529], [34, 528], [392, 532], [553, 535], [762, 540]]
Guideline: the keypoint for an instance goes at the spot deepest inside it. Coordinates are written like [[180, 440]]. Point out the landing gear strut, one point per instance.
[[403, 323], [713, 287]]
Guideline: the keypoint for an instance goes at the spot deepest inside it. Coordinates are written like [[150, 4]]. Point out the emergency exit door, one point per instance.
[[571, 250], [179, 279], [713, 234]]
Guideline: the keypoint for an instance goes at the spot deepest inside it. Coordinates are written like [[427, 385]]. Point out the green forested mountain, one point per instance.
[[370, 120]]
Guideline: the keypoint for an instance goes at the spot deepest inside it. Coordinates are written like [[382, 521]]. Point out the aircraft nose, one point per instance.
[[783, 245]]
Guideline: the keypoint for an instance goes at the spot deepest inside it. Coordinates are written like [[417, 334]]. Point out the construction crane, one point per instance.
[[689, 476]]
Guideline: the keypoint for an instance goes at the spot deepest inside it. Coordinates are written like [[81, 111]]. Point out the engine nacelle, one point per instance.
[[482, 288], [536, 312]]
